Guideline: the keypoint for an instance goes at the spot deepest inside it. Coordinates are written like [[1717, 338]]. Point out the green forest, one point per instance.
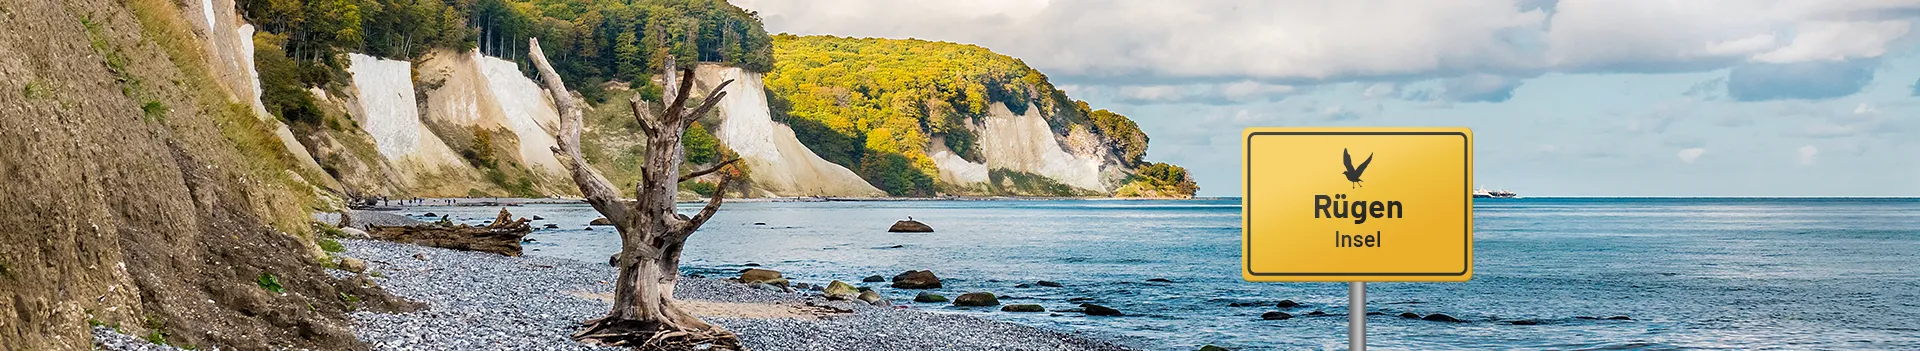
[[589, 41], [871, 104], [868, 104]]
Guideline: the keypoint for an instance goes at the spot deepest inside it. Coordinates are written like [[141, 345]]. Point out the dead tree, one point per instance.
[[651, 234]]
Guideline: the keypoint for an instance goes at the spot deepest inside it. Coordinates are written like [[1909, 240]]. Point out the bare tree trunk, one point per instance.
[[651, 232]]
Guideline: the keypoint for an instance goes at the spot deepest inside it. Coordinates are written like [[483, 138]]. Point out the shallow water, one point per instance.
[[1691, 273]]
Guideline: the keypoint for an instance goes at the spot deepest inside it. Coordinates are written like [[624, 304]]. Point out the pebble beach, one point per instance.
[[483, 301]]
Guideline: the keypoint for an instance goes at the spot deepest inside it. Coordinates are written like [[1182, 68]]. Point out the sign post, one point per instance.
[[1357, 205]]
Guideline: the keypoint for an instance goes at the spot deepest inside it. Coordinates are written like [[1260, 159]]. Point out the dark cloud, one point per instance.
[[1801, 80], [1479, 88]]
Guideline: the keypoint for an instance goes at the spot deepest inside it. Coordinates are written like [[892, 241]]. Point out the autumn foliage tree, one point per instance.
[[652, 233]]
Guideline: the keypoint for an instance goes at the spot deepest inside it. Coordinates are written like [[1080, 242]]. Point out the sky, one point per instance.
[[1565, 98]]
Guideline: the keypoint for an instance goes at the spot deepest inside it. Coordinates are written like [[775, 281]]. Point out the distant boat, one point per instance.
[[1483, 193]]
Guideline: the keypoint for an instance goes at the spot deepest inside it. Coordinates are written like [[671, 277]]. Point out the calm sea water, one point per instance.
[[1691, 273]]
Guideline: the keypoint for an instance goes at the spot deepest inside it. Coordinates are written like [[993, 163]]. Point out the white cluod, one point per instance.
[[779, 163]]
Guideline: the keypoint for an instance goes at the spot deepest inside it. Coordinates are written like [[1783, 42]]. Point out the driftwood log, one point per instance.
[[501, 237]]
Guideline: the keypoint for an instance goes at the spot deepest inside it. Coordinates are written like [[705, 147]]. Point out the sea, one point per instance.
[[1577, 273]]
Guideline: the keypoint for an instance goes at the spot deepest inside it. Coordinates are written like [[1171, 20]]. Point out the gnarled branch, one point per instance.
[[697, 174], [713, 97], [595, 187], [647, 126]]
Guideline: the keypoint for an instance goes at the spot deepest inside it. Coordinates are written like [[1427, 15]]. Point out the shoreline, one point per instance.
[[517, 201]]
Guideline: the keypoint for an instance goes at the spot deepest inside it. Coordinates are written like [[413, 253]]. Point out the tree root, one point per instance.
[[652, 336]]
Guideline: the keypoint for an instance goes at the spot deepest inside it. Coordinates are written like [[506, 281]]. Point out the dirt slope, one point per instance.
[[140, 194]]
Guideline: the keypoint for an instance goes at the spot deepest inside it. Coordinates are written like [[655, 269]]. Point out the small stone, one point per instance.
[[1159, 280], [1025, 307], [1047, 283], [1619, 318], [873, 279], [1437, 317], [420, 256], [976, 299], [551, 226], [353, 265], [929, 297], [759, 223], [766, 287], [538, 218], [1022, 286], [1275, 315], [1317, 313]]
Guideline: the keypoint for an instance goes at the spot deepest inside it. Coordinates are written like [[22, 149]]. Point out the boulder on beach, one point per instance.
[[600, 221], [1098, 310], [1275, 315], [916, 280], [909, 226], [1025, 307], [768, 276], [355, 233], [976, 299], [1437, 317], [929, 297], [873, 279], [1287, 304], [838, 290], [1047, 283]]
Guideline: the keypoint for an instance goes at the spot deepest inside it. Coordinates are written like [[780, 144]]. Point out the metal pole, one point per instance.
[[1357, 316]]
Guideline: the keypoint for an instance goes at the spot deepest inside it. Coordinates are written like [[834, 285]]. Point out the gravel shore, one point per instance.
[[481, 301]]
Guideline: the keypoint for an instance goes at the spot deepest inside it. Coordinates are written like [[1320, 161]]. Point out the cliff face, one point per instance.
[[782, 165], [144, 193]]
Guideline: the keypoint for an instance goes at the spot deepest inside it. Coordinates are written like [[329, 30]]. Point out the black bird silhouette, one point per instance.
[[1353, 173]]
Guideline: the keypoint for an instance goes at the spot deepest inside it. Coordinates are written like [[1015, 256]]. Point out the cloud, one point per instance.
[[1836, 41], [1240, 92], [1691, 154], [1811, 80], [1807, 153], [1866, 109], [1299, 42], [1916, 88], [1479, 88]]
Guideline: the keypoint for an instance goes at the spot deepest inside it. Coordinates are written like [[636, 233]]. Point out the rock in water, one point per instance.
[[1210, 347], [1098, 310], [1287, 304], [768, 276], [873, 279], [552, 226], [916, 280], [1022, 286], [1025, 307], [1440, 318], [1619, 318], [871, 297], [909, 226], [976, 299], [929, 297], [600, 221], [1047, 283], [1409, 315], [1275, 315], [1525, 322], [1159, 280], [838, 290], [501, 237]]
